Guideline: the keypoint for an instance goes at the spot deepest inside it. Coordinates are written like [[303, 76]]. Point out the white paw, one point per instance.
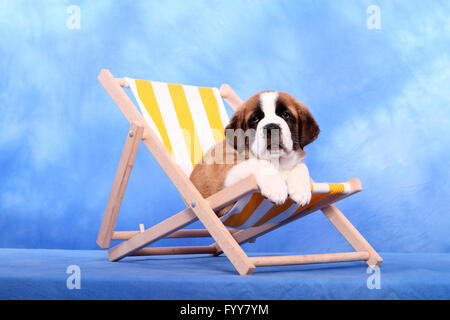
[[273, 187], [299, 190]]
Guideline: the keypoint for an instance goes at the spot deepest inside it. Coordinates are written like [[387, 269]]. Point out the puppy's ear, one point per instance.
[[234, 131], [309, 129]]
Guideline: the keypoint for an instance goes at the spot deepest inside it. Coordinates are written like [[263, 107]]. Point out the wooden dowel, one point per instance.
[[122, 82], [230, 97], [193, 233], [188, 233], [309, 259], [174, 250]]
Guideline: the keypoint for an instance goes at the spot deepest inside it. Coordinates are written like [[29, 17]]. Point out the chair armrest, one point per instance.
[[232, 193]]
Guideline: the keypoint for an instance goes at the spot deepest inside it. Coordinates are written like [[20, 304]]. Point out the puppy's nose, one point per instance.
[[271, 126]]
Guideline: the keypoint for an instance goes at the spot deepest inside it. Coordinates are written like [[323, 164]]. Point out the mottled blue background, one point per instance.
[[381, 98]]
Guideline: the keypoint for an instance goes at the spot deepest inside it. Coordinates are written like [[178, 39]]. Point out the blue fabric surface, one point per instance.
[[41, 274]]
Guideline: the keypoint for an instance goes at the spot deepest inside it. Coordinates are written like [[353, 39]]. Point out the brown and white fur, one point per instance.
[[265, 138]]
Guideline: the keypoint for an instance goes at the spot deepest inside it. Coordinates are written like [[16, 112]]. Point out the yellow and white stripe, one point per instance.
[[330, 188], [189, 121]]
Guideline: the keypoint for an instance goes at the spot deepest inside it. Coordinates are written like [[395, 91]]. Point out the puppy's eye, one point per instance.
[[286, 115], [254, 118]]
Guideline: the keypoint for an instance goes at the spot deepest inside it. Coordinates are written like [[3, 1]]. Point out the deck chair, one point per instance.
[[178, 123]]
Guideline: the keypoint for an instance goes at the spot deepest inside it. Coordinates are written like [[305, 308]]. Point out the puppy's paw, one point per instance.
[[273, 187], [299, 190]]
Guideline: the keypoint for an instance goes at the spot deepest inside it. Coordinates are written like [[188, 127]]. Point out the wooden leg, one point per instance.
[[120, 183], [352, 235], [224, 239]]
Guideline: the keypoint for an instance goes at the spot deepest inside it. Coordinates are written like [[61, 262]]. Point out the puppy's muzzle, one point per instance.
[[272, 132]]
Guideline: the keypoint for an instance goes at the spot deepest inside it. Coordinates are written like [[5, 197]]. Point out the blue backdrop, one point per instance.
[[381, 97]]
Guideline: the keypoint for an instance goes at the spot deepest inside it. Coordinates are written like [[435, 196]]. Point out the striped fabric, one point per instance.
[[189, 121], [254, 210]]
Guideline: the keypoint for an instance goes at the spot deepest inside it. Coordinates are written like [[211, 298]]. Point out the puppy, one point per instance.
[[265, 138]]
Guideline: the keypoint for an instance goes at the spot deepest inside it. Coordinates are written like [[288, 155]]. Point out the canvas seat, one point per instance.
[[179, 123]]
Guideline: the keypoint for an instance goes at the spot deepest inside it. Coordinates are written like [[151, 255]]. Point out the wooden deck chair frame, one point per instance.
[[227, 241]]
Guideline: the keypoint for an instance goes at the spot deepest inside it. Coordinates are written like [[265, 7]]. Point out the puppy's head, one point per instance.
[[271, 124]]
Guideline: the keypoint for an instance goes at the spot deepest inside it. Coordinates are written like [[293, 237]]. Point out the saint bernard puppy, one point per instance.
[[265, 138]]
